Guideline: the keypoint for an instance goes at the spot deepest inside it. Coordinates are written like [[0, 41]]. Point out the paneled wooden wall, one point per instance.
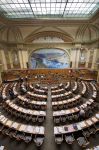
[[50, 75]]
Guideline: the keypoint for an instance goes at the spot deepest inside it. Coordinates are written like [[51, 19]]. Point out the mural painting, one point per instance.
[[49, 58]]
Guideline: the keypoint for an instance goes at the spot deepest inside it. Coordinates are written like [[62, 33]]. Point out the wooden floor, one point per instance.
[[49, 143]]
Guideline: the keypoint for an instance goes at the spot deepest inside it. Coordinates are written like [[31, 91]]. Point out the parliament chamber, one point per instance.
[[65, 110], [49, 74]]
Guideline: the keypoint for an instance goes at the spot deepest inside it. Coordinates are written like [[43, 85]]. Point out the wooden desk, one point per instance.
[[24, 99], [25, 111], [76, 126], [37, 95], [77, 97], [72, 110], [21, 127]]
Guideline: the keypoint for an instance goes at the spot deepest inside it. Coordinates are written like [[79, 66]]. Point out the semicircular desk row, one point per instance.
[[71, 100], [76, 126], [54, 97], [43, 90], [4, 91], [77, 97], [24, 99], [72, 110], [37, 87], [60, 86], [17, 108], [94, 94], [21, 127], [55, 90], [40, 93]]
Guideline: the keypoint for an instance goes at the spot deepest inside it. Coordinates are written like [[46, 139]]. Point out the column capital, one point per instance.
[[78, 45], [20, 46]]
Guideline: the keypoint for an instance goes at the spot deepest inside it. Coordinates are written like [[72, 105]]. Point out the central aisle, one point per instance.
[[49, 143]]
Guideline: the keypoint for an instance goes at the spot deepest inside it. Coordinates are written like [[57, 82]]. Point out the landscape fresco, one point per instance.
[[49, 58]]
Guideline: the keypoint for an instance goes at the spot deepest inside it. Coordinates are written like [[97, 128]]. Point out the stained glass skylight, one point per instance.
[[48, 8]]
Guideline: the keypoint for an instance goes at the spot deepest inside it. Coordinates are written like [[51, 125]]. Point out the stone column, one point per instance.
[[87, 58], [3, 58], [94, 59], [10, 59], [77, 57], [20, 59], [73, 58], [25, 58]]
